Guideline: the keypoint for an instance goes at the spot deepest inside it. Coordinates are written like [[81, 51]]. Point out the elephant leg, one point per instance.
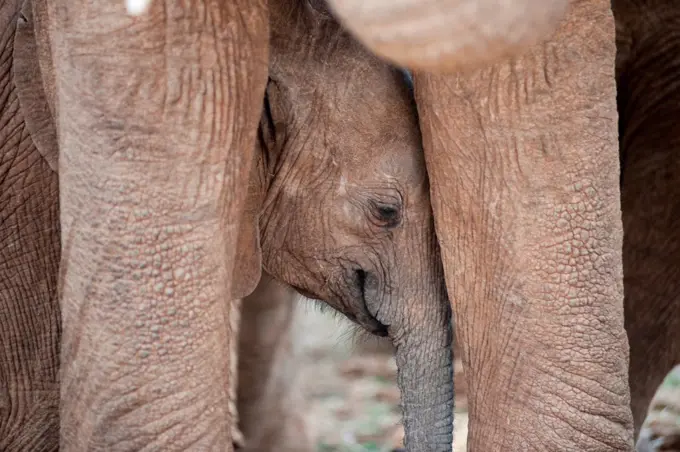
[[270, 401], [523, 164], [29, 258], [650, 192], [157, 116]]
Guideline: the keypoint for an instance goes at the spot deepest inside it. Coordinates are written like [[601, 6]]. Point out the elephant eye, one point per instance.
[[386, 215]]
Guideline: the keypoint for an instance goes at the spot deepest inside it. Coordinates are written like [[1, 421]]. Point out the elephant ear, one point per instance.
[[248, 266], [34, 81]]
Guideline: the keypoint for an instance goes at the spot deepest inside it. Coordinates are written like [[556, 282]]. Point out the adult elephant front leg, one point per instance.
[[157, 116], [524, 168]]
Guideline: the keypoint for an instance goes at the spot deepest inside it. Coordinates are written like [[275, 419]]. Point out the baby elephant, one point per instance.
[[341, 199]]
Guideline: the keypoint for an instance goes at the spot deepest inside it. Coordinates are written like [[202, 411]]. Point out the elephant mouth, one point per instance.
[[364, 317], [361, 316]]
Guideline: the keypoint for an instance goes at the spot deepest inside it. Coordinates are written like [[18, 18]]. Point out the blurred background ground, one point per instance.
[[354, 400], [661, 431], [352, 389]]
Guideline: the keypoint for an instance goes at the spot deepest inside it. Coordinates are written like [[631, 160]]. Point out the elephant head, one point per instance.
[[345, 211]]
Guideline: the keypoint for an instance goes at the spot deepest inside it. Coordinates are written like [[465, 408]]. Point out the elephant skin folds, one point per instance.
[[29, 256]]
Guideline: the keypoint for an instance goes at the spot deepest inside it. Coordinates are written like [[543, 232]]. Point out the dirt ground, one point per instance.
[[354, 401], [351, 383]]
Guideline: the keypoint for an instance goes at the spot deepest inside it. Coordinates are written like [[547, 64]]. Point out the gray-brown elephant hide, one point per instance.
[[29, 246]]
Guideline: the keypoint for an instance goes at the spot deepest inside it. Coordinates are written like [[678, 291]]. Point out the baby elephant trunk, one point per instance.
[[425, 377]]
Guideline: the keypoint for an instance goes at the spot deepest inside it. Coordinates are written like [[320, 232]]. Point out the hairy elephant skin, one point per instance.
[[29, 256], [271, 405], [523, 163], [648, 81]]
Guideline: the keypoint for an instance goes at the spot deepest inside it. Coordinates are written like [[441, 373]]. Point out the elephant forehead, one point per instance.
[[393, 164]]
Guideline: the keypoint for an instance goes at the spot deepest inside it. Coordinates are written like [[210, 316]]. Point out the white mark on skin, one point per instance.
[[137, 7], [342, 188]]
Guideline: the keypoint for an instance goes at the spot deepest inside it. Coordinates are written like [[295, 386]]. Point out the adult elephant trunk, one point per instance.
[[448, 34]]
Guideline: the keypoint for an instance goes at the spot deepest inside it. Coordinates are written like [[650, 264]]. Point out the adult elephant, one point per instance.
[[523, 163], [156, 120]]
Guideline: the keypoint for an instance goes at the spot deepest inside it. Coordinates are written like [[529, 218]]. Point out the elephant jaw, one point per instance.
[[362, 317]]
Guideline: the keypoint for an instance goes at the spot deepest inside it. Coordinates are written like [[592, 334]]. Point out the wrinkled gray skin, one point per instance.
[[341, 209], [29, 257]]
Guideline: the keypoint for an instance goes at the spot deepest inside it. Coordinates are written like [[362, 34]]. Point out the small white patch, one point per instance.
[[347, 209], [342, 188], [137, 7]]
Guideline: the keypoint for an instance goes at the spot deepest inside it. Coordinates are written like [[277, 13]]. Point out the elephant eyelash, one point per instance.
[[386, 215]]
